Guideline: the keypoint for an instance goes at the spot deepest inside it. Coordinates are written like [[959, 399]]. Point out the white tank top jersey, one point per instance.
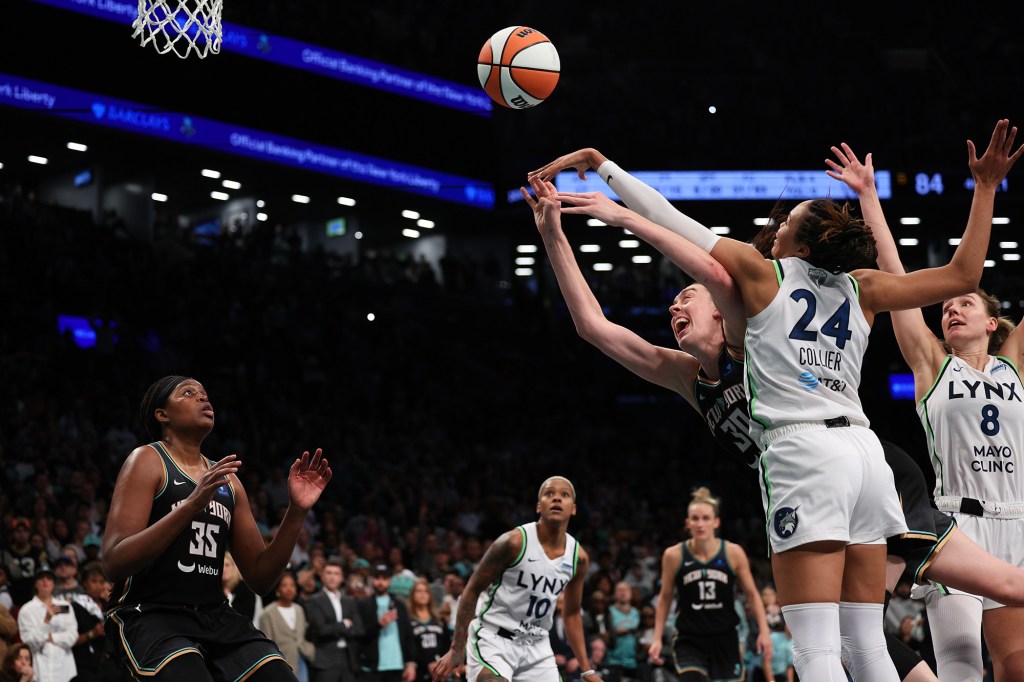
[[804, 351], [522, 601], [974, 421]]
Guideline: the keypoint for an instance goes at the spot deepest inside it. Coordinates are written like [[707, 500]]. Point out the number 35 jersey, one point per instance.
[[974, 421], [804, 350], [189, 570], [522, 600]]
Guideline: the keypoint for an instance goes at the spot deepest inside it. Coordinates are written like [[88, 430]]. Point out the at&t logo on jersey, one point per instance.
[[785, 522]]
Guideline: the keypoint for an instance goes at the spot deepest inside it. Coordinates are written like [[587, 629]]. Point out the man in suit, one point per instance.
[[387, 648], [335, 626]]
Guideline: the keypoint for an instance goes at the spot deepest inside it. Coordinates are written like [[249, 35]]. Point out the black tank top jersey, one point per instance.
[[724, 406], [705, 594], [189, 570]]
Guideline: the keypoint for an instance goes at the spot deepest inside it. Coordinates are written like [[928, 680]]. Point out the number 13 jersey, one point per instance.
[[189, 570], [804, 350], [974, 421], [522, 600]]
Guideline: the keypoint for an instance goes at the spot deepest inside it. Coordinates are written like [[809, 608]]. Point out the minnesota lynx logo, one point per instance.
[[785, 522], [817, 275]]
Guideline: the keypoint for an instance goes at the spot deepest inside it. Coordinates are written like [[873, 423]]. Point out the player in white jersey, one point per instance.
[[817, 468], [971, 402], [507, 608]]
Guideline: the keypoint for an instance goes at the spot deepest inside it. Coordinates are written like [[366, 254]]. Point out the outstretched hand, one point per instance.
[[212, 479], [307, 478], [582, 160], [997, 160], [546, 209], [860, 177]]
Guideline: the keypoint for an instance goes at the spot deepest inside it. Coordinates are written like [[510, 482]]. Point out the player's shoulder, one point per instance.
[[144, 459], [734, 552]]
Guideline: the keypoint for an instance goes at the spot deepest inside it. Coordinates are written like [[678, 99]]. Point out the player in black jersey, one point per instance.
[[702, 573], [707, 322], [173, 515]]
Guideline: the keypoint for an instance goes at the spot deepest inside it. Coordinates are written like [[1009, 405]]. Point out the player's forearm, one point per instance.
[[271, 562], [683, 253], [583, 305], [888, 255], [968, 260], [574, 633], [128, 556], [646, 201], [463, 617]]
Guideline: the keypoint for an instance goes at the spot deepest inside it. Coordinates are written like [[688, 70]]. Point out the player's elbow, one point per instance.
[[112, 570]]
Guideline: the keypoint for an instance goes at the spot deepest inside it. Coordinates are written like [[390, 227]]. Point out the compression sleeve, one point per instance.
[[647, 202]]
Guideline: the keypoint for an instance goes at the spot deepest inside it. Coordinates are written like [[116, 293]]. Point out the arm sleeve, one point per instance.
[[647, 202], [33, 630]]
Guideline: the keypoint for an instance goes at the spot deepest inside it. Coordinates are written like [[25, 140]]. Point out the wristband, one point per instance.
[[588, 673]]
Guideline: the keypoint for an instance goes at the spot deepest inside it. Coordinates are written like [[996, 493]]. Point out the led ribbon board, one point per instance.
[[730, 185], [295, 54], [224, 137]]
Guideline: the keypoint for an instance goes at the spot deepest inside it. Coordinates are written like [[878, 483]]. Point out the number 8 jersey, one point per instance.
[[522, 600], [804, 350], [974, 421], [189, 570]]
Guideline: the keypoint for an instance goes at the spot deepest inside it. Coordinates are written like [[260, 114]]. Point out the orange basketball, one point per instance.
[[518, 67]]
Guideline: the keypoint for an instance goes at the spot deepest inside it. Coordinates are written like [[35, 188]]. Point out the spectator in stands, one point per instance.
[[48, 627], [284, 622], [17, 665], [335, 627], [386, 650], [23, 561], [430, 635]]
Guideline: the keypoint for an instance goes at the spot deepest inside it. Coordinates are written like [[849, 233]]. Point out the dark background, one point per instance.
[[467, 378]]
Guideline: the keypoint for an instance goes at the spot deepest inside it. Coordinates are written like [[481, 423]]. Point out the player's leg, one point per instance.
[[489, 658], [274, 671], [189, 667], [809, 583], [1004, 634], [921, 673], [964, 565], [860, 613], [690, 659], [955, 622]]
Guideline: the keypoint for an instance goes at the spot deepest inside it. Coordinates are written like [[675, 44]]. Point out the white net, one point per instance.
[[180, 26]]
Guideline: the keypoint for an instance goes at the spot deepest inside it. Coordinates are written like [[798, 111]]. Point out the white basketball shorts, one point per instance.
[[522, 661], [820, 483]]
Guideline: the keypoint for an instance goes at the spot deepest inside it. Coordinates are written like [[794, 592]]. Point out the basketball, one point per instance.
[[518, 67]]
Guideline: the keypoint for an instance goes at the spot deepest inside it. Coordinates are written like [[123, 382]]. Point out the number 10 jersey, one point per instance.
[[189, 570], [522, 600]]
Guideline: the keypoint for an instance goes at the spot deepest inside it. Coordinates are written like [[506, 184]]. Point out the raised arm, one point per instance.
[[502, 553], [261, 565], [695, 262], [666, 367], [638, 196], [883, 291], [921, 349]]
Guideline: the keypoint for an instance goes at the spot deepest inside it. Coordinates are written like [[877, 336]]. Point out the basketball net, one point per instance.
[[180, 26]]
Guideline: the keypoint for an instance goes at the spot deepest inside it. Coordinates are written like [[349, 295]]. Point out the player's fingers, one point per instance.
[[840, 155], [849, 152]]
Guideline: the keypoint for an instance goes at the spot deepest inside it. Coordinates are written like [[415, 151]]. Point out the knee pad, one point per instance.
[[816, 644], [863, 641]]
